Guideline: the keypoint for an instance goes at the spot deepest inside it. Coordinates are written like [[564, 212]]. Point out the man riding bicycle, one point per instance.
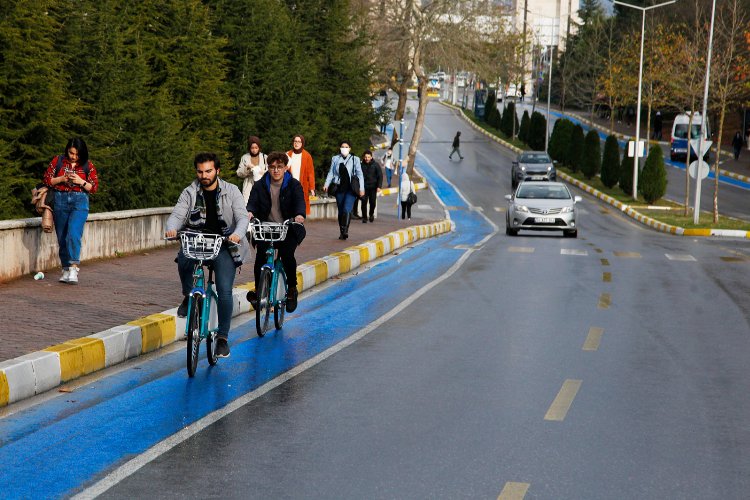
[[276, 197], [211, 205]]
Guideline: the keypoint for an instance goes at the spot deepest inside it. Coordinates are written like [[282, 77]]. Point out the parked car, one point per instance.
[[542, 206], [532, 166]]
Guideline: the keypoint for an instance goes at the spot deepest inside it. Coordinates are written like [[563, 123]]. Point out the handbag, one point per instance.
[[355, 185], [43, 199], [332, 188], [411, 198]]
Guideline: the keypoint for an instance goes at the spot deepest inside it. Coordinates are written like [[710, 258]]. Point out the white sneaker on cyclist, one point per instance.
[[222, 348], [65, 275]]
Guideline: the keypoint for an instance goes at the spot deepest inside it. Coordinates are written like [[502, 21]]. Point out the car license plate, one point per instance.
[[544, 220], [537, 177]]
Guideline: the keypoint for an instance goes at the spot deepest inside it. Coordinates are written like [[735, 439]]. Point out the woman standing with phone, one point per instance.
[[72, 177]]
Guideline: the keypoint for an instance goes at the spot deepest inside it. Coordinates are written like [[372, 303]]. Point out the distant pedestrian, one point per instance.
[[747, 138], [737, 145], [301, 167], [389, 164], [407, 187], [629, 115], [657, 126], [252, 166], [373, 181], [523, 91], [344, 167], [456, 146], [72, 177]]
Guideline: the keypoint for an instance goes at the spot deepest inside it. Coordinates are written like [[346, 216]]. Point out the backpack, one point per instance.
[[59, 166]]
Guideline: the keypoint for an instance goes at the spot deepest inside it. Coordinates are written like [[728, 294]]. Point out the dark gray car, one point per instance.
[[532, 166]]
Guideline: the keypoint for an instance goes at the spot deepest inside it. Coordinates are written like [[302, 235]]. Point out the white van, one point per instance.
[[679, 141]]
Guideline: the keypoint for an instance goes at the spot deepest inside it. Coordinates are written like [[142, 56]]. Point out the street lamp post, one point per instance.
[[637, 148], [698, 179]]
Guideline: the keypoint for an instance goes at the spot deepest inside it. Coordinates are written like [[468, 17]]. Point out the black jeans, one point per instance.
[[371, 194], [288, 260], [405, 209]]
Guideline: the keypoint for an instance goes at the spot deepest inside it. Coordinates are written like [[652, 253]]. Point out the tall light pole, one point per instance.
[[549, 81], [698, 179], [637, 148]]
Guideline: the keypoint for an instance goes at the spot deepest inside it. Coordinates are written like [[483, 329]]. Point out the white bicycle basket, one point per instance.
[[269, 231], [201, 246]]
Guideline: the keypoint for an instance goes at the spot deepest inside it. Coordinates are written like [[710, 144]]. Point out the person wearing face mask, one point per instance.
[[253, 165], [345, 167], [373, 181], [389, 164], [301, 167]]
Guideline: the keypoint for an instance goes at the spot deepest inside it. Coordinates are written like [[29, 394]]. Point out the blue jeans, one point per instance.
[[70, 213], [345, 201], [224, 272], [388, 176]]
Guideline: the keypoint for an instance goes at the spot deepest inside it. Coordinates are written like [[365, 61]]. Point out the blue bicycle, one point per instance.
[[203, 248], [272, 287]]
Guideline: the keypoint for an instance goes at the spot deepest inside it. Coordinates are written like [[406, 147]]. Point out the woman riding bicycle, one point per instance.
[[276, 197]]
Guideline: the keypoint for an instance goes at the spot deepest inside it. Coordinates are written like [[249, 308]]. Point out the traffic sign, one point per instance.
[[703, 169], [641, 148], [706, 144]]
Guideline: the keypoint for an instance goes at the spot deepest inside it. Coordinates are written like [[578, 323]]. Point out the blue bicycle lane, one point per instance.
[[624, 144], [61, 446]]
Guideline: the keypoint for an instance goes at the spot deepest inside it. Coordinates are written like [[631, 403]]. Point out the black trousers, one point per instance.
[[405, 209], [288, 260], [371, 195]]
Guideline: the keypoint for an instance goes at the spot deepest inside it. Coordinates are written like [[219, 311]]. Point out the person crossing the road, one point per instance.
[[212, 205], [456, 146]]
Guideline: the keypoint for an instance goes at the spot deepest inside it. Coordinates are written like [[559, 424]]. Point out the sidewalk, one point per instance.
[[112, 292]]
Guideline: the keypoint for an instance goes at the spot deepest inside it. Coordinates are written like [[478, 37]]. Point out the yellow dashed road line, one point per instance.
[[513, 491], [560, 406]]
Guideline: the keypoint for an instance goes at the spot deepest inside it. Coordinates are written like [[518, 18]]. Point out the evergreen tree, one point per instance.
[[653, 179], [560, 138], [490, 108], [626, 175], [575, 149], [537, 131], [510, 120], [611, 162], [523, 132], [36, 110], [592, 155]]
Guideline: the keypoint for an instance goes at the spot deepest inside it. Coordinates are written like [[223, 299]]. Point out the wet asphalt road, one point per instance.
[[609, 366]]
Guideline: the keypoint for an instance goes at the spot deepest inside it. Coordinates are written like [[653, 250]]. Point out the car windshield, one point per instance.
[[680, 131], [527, 191], [535, 158]]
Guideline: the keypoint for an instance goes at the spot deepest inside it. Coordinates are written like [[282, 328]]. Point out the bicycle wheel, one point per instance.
[[194, 335], [263, 311], [280, 307], [211, 340]]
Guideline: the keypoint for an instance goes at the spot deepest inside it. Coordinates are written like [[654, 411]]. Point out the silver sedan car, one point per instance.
[[532, 166], [542, 206]]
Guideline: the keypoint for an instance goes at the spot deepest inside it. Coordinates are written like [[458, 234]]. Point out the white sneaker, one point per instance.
[[73, 276], [65, 276]]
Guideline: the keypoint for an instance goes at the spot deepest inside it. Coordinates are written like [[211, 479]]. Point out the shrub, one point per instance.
[[490, 107], [575, 149], [560, 138], [653, 181], [591, 161], [523, 132], [537, 131], [510, 120], [626, 175], [611, 162]]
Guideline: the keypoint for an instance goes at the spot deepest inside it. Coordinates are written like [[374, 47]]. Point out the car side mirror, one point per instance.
[[578, 198], [508, 197]]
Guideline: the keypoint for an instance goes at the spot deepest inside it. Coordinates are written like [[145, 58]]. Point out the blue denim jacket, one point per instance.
[[352, 164]]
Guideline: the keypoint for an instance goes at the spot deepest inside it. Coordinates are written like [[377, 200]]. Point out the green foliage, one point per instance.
[[523, 132], [150, 84], [574, 153], [559, 140], [537, 131], [626, 175], [490, 108], [510, 120], [611, 162], [591, 160], [653, 180]]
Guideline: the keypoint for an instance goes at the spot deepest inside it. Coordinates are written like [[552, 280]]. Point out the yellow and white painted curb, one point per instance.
[[627, 209], [40, 371]]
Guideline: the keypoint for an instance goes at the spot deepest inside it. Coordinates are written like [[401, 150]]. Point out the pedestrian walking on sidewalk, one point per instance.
[[373, 181], [407, 188], [301, 167], [252, 166], [73, 177], [737, 145], [456, 146], [658, 124], [212, 205], [345, 168], [389, 164]]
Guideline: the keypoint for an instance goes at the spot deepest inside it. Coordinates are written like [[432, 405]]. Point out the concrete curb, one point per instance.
[[40, 371], [627, 209]]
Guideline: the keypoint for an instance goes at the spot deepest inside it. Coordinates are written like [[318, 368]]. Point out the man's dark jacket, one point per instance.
[[373, 175], [291, 201]]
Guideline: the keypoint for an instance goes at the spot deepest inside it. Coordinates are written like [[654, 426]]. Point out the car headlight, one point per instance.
[[566, 210], [522, 208], [523, 169]]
